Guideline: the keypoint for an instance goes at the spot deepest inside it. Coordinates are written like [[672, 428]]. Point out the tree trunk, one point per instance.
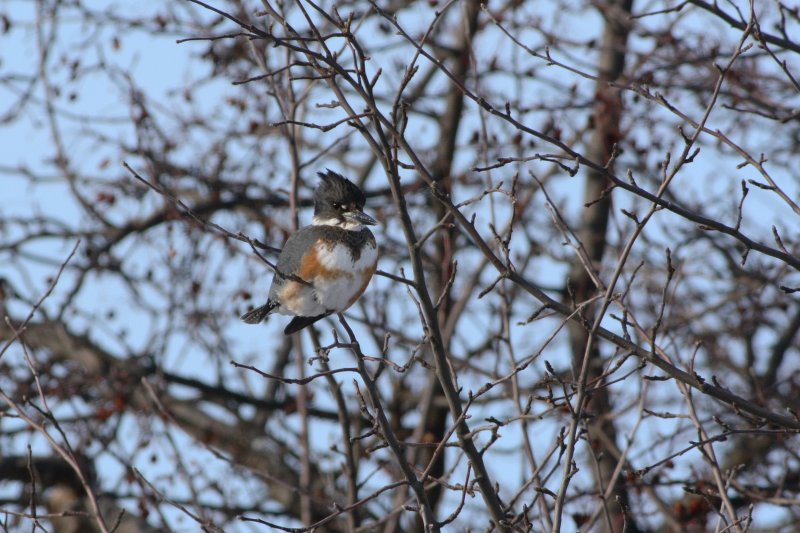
[[607, 114]]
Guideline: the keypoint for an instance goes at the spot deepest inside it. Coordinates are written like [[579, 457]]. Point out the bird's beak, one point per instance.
[[361, 218]]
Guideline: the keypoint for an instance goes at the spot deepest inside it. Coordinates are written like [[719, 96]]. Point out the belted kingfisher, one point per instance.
[[324, 267]]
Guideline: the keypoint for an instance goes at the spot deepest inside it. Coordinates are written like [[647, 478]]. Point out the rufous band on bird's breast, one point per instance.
[[334, 279]]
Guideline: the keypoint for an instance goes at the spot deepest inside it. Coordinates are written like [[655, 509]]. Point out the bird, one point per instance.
[[326, 266]]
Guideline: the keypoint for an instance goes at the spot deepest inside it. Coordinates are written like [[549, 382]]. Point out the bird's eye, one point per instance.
[[336, 205]]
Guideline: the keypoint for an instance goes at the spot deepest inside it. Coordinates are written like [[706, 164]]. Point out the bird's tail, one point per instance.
[[299, 322], [258, 314]]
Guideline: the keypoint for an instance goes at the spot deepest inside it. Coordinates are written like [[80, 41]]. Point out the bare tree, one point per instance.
[[585, 315]]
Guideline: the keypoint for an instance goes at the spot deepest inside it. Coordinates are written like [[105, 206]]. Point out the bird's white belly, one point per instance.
[[339, 284], [338, 292]]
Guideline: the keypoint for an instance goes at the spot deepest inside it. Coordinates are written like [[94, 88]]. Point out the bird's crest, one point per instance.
[[334, 187]]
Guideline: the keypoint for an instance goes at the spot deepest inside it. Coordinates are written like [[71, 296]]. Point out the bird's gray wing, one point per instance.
[[292, 254]]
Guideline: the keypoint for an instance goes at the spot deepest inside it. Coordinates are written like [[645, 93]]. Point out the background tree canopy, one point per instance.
[[586, 310]]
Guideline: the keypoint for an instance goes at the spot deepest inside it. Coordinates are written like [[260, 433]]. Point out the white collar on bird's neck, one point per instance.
[[337, 222]]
